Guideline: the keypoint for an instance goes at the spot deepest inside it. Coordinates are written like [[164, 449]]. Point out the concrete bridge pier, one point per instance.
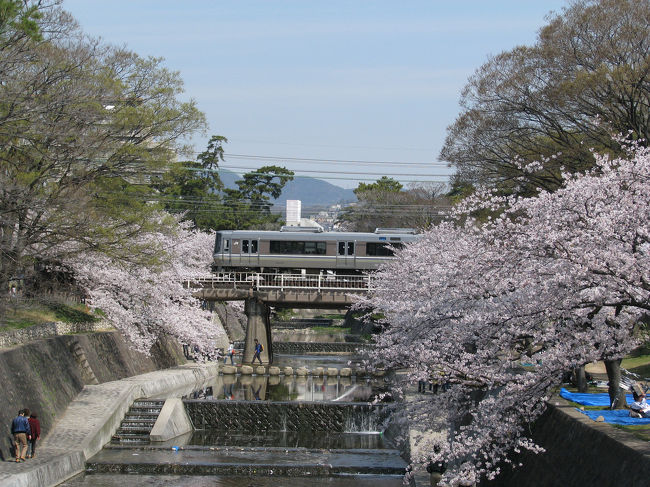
[[259, 326]]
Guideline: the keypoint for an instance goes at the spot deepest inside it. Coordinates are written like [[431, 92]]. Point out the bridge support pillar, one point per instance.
[[259, 326]]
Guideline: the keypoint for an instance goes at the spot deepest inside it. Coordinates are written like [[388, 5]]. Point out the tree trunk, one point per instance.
[[580, 378], [616, 394]]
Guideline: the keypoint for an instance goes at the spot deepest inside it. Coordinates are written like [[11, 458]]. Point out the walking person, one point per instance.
[[35, 427], [20, 430], [230, 353], [258, 350]]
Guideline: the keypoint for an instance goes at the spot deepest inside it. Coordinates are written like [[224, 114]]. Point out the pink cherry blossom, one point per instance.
[[145, 301], [498, 311]]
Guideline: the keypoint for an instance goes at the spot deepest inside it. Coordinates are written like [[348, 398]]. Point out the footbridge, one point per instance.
[[290, 290], [259, 291]]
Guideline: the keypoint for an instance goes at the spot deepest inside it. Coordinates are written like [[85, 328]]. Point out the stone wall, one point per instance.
[[299, 348], [45, 330], [256, 416], [579, 451], [233, 320], [302, 323], [46, 374], [307, 335]]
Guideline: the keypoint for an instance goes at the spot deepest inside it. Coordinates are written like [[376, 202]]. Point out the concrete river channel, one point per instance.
[[261, 430]]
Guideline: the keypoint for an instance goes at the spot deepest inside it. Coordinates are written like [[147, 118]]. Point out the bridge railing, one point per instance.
[[269, 281]]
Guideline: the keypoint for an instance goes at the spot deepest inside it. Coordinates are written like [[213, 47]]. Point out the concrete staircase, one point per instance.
[[138, 422]]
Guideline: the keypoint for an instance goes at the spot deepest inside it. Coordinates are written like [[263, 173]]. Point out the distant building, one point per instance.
[[293, 213], [294, 217]]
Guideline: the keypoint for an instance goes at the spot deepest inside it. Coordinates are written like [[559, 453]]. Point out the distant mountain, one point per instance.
[[310, 191]]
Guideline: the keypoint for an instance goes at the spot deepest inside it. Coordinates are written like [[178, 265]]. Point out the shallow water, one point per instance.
[[274, 388], [306, 454], [115, 480], [294, 388], [289, 439]]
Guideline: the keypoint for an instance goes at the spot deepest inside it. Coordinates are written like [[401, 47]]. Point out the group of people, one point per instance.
[[259, 348], [26, 430]]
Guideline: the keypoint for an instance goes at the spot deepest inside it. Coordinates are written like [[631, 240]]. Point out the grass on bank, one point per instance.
[[331, 316], [24, 315], [639, 365]]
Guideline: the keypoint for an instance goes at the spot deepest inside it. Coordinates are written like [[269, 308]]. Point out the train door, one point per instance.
[[345, 254], [249, 255], [226, 251]]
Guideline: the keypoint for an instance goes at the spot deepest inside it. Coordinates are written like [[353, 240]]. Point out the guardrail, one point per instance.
[[268, 281]]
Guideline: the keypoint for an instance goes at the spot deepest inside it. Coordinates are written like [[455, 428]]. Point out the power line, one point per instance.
[[331, 172], [346, 178], [335, 161]]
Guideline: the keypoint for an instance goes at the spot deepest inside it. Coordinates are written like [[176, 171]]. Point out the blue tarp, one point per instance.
[[588, 399], [616, 416]]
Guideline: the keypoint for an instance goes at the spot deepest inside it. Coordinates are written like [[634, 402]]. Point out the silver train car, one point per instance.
[[306, 250]]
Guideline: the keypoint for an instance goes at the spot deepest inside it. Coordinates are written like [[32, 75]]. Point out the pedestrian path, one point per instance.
[[93, 417]]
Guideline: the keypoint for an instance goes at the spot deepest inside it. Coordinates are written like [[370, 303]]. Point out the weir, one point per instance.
[[286, 416], [311, 415]]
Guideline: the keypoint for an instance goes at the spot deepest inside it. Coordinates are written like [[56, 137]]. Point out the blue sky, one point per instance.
[[371, 81]]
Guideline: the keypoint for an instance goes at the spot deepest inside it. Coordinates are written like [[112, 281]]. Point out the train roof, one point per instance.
[[320, 236]]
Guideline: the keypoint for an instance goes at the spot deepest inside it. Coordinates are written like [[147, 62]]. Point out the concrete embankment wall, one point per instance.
[[298, 348], [47, 374], [579, 451]]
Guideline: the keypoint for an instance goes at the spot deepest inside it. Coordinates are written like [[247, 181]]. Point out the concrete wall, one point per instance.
[[297, 335], [579, 451], [172, 421], [45, 375], [299, 348]]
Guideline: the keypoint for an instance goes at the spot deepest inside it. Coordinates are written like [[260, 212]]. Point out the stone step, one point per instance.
[[137, 405], [127, 436], [143, 411], [139, 422], [148, 403], [124, 429], [130, 442]]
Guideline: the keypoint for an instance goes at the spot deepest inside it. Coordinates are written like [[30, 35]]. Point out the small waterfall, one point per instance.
[[363, 418], [287, 416]]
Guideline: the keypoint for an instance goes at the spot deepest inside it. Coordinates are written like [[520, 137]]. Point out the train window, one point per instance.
[[312, 248], [350, 248], [253, 246], [244, 246], [341, 248], [226, 244], [288, 247], [379, 249]]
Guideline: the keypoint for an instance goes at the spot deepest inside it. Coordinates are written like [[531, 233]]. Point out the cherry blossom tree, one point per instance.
[[498, 311], [145, 301]]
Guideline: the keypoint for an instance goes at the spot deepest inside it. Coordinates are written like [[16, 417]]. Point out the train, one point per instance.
[[307, 250]]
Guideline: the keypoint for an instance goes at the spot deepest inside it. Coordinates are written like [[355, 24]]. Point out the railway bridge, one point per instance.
[[261, 290]]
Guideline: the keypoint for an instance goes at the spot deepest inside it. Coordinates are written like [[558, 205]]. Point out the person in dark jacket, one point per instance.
[[21, 431], [258, 350], [35, 427]]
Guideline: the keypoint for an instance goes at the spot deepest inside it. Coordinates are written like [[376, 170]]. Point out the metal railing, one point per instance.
[[270, 281]]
